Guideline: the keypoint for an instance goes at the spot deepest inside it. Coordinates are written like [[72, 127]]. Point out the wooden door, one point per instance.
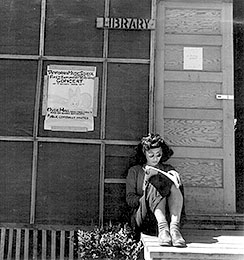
[[196, 122]]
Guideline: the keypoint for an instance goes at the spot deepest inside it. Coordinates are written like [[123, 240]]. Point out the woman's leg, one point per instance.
[[163, 227], [175, 202]]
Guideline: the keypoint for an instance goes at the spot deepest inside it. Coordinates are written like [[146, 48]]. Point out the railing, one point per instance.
[[38, 242]]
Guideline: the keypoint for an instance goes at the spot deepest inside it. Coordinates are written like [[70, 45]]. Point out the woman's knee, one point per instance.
[[175, 193]]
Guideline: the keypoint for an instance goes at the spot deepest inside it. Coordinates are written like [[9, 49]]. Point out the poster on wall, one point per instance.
[[70, 98]]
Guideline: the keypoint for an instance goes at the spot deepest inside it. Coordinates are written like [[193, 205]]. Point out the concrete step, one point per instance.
[[201, 244], [231, 221]]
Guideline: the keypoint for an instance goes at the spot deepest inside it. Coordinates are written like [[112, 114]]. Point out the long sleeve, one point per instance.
[[134, 182]]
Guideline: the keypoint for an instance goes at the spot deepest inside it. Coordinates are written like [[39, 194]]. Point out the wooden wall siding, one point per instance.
[[192, 94], [203, 21], [200, 172], [174, 58], [195, 133], [15, 185]]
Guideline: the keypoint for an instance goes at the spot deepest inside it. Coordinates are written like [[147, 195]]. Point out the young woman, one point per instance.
[[155, 193]]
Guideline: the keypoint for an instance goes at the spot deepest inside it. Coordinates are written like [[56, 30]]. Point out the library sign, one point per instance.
[[125, 23]]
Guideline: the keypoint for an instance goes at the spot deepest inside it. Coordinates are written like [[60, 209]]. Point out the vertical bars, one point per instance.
[[10, 244], [2, 243], [53, 245], [26, 244], [44, 244], [62, 244], [35, 234], [17, 240], [71, 245]]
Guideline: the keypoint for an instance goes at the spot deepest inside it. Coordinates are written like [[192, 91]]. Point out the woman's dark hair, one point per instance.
[[149, 142]]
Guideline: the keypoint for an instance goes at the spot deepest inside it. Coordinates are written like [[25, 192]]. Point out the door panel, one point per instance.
[[197, 125]]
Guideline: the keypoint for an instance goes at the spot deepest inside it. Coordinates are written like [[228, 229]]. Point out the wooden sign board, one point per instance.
[[125, 23]]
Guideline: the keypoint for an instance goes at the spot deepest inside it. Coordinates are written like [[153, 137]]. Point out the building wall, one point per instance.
[[70, 177], [59, 177]]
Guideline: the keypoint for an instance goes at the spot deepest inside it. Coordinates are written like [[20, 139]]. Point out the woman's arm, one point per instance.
[[132, 197]]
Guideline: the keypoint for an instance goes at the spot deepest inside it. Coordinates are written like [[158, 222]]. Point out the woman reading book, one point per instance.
[[154, 192]]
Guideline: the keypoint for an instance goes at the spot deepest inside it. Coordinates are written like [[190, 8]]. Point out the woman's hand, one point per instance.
[[149, 172]]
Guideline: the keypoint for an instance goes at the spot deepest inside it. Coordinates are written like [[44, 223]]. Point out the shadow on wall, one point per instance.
[[238, 27]]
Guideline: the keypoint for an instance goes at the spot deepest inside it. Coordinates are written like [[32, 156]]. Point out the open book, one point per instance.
[[172, 174]]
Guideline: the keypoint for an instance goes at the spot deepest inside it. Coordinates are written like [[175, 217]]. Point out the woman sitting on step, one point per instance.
[[155, 193]]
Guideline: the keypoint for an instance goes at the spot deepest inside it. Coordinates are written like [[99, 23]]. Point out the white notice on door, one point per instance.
[[193, 58]]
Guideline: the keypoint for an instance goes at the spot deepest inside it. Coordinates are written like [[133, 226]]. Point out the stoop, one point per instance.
[[201, 244]]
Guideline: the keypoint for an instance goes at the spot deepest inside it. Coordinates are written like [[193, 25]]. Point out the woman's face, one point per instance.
[[153, 156]]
